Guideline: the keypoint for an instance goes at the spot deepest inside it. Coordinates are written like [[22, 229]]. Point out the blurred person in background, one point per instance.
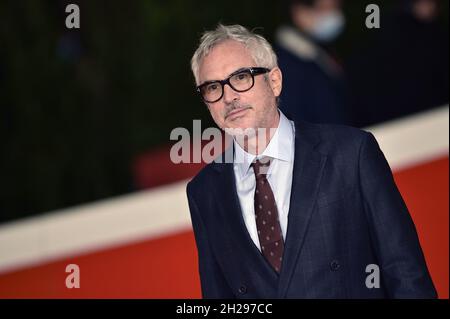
[[313, 83], [404, 69]]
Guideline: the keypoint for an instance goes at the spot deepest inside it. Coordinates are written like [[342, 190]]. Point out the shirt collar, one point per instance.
[[280, 147]]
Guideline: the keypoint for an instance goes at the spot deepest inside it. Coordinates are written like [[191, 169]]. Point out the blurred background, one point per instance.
[[86, 116]]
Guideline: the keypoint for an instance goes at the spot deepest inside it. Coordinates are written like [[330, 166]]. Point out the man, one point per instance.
[[302, 209]]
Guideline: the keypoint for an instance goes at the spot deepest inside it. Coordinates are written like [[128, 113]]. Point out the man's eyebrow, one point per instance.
[[231, 74], [237, 71], [208, 82]]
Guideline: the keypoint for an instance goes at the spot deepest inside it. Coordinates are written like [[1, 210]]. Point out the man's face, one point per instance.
[[255, 108]]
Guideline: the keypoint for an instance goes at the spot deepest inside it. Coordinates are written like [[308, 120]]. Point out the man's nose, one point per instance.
[[229, 95]]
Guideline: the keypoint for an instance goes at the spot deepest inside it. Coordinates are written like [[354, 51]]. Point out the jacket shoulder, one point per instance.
[[201, 180], [334, 137]]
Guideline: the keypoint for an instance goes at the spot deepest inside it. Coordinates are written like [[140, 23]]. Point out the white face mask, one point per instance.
[[328, 26]]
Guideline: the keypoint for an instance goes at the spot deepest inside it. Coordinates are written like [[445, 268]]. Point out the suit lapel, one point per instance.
[[227, 194], [307, 174]]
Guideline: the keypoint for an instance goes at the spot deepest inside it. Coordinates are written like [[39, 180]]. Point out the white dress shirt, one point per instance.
[[281, 150]]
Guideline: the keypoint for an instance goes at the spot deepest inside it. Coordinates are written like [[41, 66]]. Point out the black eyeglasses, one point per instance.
[[241, 80]]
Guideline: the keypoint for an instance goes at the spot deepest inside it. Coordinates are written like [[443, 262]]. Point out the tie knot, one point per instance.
[[261, 166]]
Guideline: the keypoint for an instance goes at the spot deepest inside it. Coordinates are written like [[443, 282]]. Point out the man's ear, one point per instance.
[[276, 81]]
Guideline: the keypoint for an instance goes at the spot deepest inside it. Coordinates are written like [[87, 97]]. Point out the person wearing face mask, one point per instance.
[[314, 87]]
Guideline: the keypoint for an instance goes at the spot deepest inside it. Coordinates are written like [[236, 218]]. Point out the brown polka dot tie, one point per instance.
[[266, 214]]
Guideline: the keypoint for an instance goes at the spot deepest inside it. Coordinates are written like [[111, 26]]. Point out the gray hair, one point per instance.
[[259, 48]]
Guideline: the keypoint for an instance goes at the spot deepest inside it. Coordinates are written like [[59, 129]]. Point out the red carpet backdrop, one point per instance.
[[142, 246]]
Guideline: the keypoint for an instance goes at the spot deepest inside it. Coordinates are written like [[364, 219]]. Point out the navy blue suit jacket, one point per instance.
[[345, 213]]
